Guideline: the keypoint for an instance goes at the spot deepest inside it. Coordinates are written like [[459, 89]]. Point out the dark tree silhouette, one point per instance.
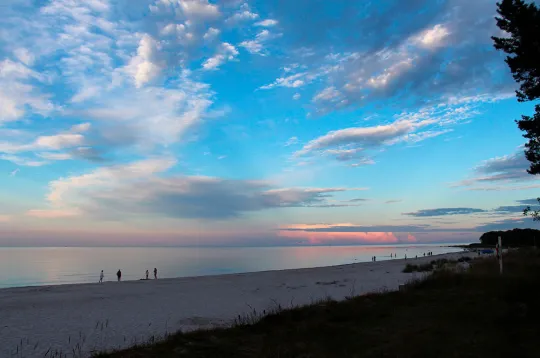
[[521, 21], [512, 238]]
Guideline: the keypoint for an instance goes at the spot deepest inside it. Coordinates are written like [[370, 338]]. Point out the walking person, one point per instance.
[[101, 277], [147, 274], [155, 273], [119, 275]]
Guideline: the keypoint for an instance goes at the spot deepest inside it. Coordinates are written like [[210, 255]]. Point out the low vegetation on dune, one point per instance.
[[434, 265], [480, 313]]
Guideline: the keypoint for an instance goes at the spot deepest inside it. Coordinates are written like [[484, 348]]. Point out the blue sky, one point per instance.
[[183, 122]]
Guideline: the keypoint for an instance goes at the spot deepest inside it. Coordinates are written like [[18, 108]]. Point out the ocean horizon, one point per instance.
[[38, 266]]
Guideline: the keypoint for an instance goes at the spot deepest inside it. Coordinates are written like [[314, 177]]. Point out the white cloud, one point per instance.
[[292, 81], [291, 141], [14, 172], [85, 93], [135, 188], [211, 34], [327, 94], [18, 94], [267, 23], [199, 9], [59, 141], [55, 156], [145, 67], [256, 46], [433, 37], [363, 136], [25, 56], [65, 191], [243, 15], [82, 127], [24, 162], [296, 96], [226, 52]]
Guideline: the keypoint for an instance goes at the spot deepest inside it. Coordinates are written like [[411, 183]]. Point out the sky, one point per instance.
[[256, 123]]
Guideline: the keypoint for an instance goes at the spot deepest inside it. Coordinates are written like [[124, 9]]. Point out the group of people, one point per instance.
[[374, 258], [119, 275]]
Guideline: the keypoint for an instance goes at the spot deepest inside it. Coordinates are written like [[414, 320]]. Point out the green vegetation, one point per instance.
[[476, 314]]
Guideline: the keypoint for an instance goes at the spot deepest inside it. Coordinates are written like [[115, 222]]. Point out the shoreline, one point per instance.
[[96, 317], [226, 274]]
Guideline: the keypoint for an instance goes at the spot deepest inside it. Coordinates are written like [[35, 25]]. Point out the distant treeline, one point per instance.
[[513, 238]]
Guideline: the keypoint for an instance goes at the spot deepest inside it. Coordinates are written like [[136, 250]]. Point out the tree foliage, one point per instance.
[[521, 21], [512, 238]]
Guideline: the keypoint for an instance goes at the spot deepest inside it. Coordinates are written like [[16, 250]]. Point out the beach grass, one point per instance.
[[480, 313]]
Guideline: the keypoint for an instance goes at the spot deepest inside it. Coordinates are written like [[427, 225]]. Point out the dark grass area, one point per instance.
[[477, 314]]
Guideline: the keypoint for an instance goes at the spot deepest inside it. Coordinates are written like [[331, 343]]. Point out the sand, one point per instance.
[[83, 318]]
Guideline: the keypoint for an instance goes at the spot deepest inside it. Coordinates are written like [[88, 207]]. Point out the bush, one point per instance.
[[418, 268], [410, 268]]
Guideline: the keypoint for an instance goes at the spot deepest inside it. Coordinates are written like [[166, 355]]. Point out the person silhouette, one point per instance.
[[155, 273], [147, 274], [119, 275], [101, 277]]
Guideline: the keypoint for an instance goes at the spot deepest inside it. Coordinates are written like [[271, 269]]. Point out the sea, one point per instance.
[[36, 266]]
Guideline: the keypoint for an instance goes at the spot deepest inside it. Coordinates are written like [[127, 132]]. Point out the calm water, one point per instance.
[[46, 266]]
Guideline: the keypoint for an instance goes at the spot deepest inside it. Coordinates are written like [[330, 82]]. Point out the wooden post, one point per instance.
[[499, 251]]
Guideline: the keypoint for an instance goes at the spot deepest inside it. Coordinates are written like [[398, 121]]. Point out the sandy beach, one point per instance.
[[83, 318]]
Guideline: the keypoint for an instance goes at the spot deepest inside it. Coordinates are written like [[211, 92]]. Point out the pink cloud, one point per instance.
[[318, 238]]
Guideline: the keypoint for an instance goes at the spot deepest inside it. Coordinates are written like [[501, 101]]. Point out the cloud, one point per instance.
[[267, 23], [432, 37], [388, 57], [508, 169], [19, 93], [328, 94], [256, 46], [445, 211], [211, 34], [296, 96], [244, 14], [226, 52], [292, 81], [135, 189], [14, 172], [532, 201], [145, 66], [505, 224], [357, 200], [367, 228], [22, 161], [149, 118], [53, 214], [360, 137], [24, 56], [194, 10], [291, 141], [393, 201]]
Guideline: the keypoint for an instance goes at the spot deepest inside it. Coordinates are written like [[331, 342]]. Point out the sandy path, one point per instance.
[[85, 317]]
